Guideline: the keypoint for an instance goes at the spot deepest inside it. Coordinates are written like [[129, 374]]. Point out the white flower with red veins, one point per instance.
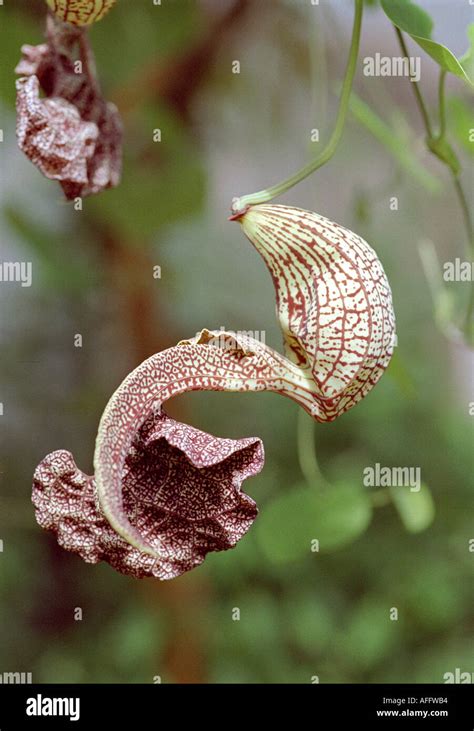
[[165, 494]]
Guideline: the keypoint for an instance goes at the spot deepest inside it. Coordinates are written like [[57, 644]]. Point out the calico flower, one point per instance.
[[164, 494]]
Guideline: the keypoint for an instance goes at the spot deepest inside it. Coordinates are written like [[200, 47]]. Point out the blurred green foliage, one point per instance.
[[303, 613], [303, 519]]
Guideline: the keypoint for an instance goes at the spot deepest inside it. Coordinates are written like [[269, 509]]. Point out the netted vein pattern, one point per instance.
[[181, 490], [80, 12], [334, 301]]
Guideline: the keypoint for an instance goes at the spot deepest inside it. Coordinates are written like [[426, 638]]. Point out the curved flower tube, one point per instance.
[[335, 311], [212, 361]]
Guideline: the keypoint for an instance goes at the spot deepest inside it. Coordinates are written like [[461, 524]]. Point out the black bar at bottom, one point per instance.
[[116, 706]]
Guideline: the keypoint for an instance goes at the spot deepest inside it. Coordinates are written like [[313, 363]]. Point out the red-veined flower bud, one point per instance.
[[80, 12]]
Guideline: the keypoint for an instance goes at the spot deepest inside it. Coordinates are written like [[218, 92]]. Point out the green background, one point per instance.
[[302, 613]]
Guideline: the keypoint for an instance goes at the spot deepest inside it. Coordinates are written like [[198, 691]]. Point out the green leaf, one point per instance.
[[409, 17], [288, 527], [415, 21], [416, 509]]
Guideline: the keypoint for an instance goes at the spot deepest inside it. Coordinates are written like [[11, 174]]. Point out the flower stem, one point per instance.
[[306, 451], [416, 86], [442, 103], [263, 196], [465, 211], [439, 146]]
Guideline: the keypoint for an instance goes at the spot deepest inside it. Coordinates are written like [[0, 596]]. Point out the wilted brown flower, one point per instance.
[[70, 133]]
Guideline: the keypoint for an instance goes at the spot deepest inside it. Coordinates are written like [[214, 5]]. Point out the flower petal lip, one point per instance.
[[114, 530], [192, 365], [181, 487], [334, 301]]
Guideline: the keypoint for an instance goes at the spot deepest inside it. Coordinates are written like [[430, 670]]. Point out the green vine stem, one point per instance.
[[438, 144], [465, 209], [263, 196], [305, 435], [442, 103], [416, 86], [307, 452], [454, 169], [441, 148]]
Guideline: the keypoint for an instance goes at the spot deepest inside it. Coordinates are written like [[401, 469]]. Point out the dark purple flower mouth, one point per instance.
[[181, 490]]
